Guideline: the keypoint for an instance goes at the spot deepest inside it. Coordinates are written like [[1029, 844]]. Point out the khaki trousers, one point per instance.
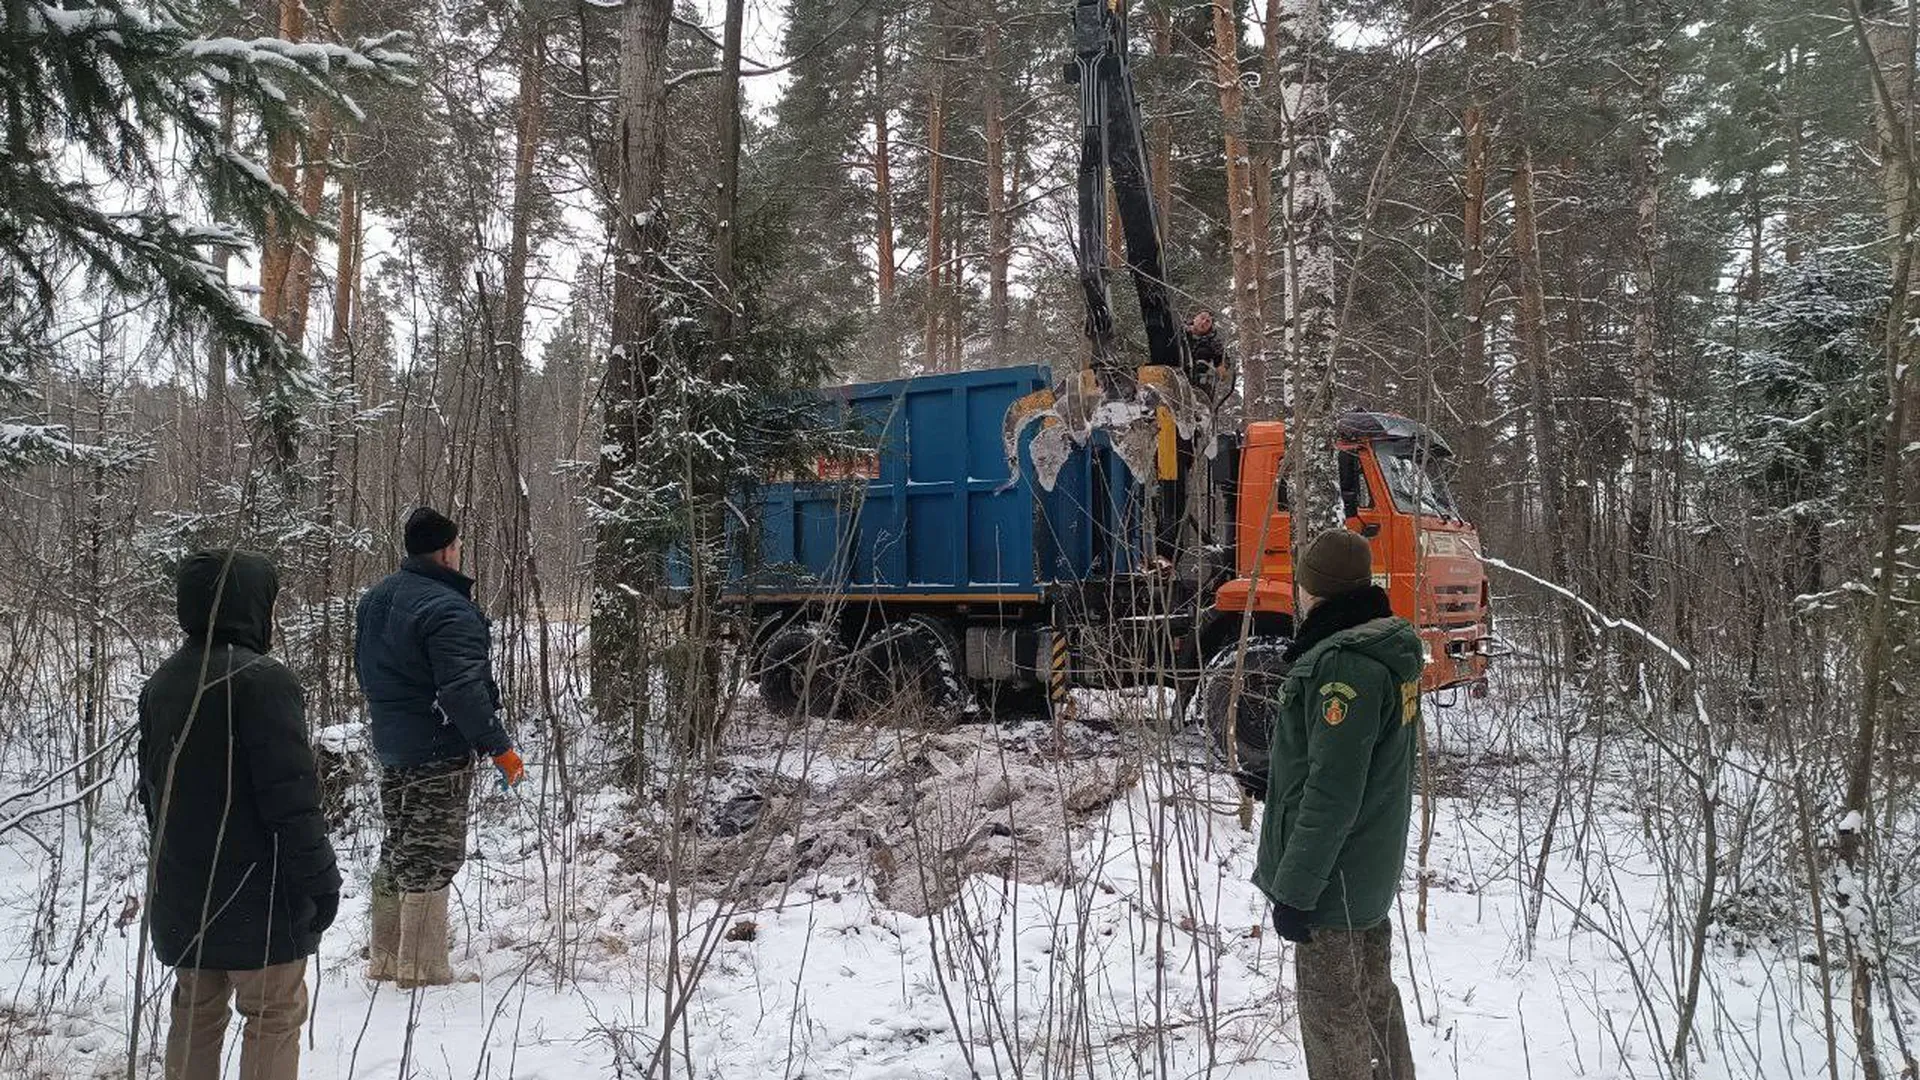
[[1352, 1026], [272, 1000]]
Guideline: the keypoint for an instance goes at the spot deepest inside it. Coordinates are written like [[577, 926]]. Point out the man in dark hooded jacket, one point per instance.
[[1209, 373], [423, 658], [243, 878], [1339, 797]]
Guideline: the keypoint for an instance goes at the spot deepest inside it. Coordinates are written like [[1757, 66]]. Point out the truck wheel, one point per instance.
[[913, 663], [795, 668], [1243, 748]]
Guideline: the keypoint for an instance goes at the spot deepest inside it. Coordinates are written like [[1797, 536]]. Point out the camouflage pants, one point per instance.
[[1351, 1023], [425, 807]]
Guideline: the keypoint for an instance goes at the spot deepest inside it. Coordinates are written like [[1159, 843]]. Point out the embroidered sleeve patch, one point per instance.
[[1340, 688], [1333, 710]]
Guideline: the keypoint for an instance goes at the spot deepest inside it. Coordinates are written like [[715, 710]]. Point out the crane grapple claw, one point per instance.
[[1127, 407]]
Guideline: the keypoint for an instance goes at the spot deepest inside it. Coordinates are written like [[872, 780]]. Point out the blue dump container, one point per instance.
[[929, 516]]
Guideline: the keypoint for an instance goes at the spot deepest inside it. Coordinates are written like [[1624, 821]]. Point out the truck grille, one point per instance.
[[1456, 605]]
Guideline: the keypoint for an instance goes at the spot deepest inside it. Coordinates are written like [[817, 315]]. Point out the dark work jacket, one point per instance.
[[1209, 370], [422, 657], [1340, 786], [227, 779]]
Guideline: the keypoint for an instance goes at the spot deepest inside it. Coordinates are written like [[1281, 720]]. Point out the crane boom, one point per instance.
[[1111, 151], [1131, 404]]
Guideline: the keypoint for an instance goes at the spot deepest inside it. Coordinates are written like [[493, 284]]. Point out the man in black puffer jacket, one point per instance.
[[243, 878], [422, 655]]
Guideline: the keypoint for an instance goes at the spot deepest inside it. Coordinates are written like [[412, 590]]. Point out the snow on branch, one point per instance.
[[32, 812], [1710, 777], [37, 444], [1601, 618], [315, 62]]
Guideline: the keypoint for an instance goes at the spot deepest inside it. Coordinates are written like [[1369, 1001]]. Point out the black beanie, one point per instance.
[[428, 530]]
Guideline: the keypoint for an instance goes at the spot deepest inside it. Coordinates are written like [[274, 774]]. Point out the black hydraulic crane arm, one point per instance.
[[1123, 401], [1110, 147]]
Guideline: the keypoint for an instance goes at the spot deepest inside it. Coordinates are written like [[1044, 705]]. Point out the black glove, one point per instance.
[[1291, 923], [325, 907]]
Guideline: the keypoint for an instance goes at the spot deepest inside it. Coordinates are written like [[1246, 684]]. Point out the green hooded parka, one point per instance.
[[1340, 783]]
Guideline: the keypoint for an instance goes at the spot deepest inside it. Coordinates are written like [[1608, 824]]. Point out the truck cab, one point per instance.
[[1394, 491]]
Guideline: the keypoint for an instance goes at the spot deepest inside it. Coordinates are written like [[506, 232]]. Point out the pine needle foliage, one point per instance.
[[111, 135]]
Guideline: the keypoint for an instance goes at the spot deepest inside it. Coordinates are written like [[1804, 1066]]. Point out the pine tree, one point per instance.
[[106, 83], [831, 146]]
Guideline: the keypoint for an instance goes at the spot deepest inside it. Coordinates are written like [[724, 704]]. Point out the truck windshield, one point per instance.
[[1417, 480]]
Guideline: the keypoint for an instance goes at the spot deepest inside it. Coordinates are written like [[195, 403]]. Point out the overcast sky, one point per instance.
[[765, 24]]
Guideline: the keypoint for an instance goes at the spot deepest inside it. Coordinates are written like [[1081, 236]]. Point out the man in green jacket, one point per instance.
[[1339, 796]]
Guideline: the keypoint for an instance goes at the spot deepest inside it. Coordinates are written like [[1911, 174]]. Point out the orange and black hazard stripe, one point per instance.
[[1057, 669]]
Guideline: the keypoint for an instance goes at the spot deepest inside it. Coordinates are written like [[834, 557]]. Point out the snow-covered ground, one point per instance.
[[1091, 916]]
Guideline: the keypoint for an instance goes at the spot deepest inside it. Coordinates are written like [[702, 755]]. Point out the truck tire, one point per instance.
[[913, 663], [795, 669], [1244, 748]]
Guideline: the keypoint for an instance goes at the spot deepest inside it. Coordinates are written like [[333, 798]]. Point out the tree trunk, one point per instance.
[[936, 210], [1476, 374], [508, 348], [1306, 263], [1532, 328], [298, 296], [276, 252], [955, 278], [623, 568], [529, 129], [1883, 32], [217, 462], [726, 202], [999, 220], [1889, 49], [1273, 108], [298, 292], [1796, 160], [1651, 26], [883, 182], [1249, 333], [1855, 847], [338, 428], [346, 269]]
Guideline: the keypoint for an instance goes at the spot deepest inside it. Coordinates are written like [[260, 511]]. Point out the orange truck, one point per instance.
[[1393, 489]]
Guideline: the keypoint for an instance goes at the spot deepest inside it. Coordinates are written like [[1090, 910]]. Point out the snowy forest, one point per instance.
[[273, 273]]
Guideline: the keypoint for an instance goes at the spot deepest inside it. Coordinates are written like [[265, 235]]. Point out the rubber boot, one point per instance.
[[423, 959], [383, 949]]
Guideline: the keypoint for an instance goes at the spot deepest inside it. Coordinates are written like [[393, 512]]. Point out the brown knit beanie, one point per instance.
[[1337, 561]]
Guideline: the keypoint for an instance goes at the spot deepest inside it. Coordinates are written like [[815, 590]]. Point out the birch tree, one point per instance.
[[1305, 263]]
